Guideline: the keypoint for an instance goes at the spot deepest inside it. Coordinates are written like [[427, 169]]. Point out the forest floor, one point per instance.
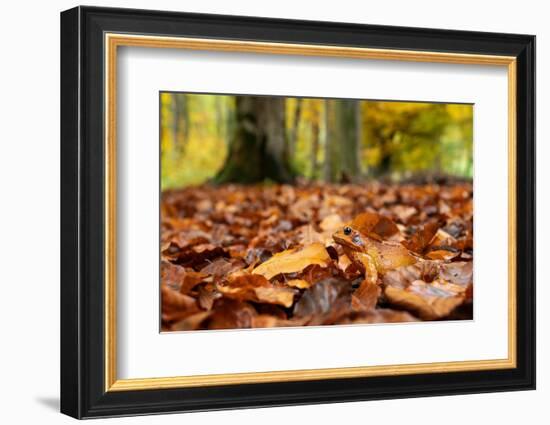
[[318, 254]]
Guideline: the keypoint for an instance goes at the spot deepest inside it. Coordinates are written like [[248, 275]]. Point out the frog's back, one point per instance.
[[389, 255]]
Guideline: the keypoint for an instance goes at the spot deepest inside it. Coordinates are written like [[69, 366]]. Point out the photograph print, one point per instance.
[[292, 211]]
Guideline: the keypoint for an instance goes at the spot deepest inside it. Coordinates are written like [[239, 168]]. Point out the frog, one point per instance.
[[370, 254]]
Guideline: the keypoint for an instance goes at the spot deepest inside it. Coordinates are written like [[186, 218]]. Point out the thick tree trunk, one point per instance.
[[256, 149]]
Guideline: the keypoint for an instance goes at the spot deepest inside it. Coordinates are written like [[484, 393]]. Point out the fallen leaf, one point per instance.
[[331, 222], [298, 283], [256, 288], [293, 260], [423, 236], [192, 322], [231, 314], [323, 298], [374, 225], [366, 296], [428, 301], [176, 306]]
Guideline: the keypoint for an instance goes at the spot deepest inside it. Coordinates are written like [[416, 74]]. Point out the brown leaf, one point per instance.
[[207, 295], [177, 277], [423, 236], [171, 274], [231, 314], [176, 306], [298, 283], [256, 288], [330, 223], [201, 255], [366, 296], [374, 225], [379, 315], [458, 273], [293, 260], [268, 321], [428, 301], [445, 254], [404, 276], [221, 267], [323, 298], [192, 322]]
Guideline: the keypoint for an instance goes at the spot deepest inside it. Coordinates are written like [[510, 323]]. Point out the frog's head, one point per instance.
[[350, 238]]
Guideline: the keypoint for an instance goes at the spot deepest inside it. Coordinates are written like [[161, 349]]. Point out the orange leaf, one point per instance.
[[292, 260]]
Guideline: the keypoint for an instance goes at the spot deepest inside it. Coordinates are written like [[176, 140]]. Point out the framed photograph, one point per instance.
[[261, 212]]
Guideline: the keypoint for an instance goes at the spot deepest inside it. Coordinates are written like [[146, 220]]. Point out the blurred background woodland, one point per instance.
[[254, 139]]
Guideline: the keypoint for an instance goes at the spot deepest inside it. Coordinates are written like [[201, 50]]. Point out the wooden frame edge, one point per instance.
[[114, 40]]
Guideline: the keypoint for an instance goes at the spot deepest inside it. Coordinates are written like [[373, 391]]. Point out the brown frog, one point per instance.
[[371, 254]]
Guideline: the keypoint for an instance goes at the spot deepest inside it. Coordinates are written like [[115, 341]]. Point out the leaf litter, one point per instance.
[[236, 256]]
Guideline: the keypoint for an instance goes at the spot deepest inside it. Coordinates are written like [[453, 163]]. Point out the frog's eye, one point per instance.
[[347, 230]]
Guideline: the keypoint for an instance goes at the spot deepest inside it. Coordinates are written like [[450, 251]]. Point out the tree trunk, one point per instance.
[[293, 136], [332, 151], [350, 131], [314, 150], [175, 125], [383, 168], [183, 121], [256, 149], [342, 145]]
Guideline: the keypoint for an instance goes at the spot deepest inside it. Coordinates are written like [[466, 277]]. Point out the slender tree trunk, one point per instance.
[[332, 151], [350, 131], [183, 121], [256, 150], [314, 149], [175, 125], [293, 136], [342, 145]]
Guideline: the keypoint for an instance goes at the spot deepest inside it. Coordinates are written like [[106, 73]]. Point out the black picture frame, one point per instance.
[[83, 392]]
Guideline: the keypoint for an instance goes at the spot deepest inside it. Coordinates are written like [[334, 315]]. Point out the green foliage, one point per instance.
[[397, 139]]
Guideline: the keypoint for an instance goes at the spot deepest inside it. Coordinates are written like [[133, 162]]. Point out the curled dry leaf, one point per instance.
[[428, 301], [375, 225], [231, 314], [366, 296], [459, 273], [200, 256], [207, 295], [268, 321], [404, 276], [256, 288], [423, 236], [177, 277], [379, 315], [331, 222], [443, 253], [432, 290], [294, 260], [222, 266], [322, 299], [298, 283], [171, 275], [192, 322], [176, 306]]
